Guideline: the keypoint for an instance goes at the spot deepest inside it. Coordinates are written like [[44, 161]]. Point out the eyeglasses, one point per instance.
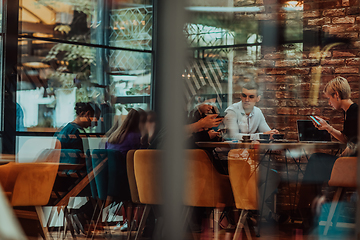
[[245, 96]]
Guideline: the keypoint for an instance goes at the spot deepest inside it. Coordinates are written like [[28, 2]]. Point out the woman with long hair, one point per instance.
[[127, 135], [124, 138]]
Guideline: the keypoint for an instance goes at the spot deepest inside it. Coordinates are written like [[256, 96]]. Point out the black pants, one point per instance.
[[318, 171]]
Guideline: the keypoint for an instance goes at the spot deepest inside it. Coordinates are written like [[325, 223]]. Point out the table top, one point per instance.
[[272, 145], [7, 157], [62, 166]]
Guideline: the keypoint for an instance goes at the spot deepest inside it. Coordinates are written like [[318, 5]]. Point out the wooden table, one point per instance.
[[6, 158], [273, 146], [294, 149]]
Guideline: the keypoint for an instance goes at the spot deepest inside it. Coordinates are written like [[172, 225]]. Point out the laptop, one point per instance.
[[307, 132]]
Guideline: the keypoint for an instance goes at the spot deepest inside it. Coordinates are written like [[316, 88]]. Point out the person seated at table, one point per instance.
[[319, 167], [126, 137], [150, 130], [70, 137], [201, 111], [156, 141], [87, 115], [244, 118]]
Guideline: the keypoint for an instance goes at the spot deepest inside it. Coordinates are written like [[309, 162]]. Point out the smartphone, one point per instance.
[[315, 120]]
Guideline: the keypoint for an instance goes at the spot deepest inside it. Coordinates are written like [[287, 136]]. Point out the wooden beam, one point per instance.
[[28, 27]]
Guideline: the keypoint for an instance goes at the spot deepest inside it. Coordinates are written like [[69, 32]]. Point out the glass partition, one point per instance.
[[81, 51], [264, 66], [54, 76], [254, 133], [127, 25]]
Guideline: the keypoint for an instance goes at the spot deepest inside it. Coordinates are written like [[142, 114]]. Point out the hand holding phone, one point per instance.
[[315, 120]]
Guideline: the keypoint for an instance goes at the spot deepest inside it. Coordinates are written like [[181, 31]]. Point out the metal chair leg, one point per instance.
[[143, 220], [332, 210], [240, 224]]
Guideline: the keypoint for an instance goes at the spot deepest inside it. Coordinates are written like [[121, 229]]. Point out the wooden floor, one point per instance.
[[268, 232]]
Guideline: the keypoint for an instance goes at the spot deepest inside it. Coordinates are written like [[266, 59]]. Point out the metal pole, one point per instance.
[[169, 54], [10, 56], [357, 222]]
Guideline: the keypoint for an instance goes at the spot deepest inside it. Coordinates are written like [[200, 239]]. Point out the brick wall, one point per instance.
[[285, 77]]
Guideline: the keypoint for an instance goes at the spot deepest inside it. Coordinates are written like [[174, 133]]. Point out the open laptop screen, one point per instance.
[[307, 132]]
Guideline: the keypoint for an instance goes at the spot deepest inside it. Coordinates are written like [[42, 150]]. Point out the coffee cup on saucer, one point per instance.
[[246, 138], [265, 136], [278, 136]]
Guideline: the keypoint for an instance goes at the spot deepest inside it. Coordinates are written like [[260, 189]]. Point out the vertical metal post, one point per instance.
[[153, 99], [102, 38], [10, 58], [169, 58], [357, 221]]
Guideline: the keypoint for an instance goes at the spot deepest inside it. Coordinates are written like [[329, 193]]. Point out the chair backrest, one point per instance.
[[204, 185], [49, 155], [344, 172], [131, 176], [4, 175], [243, 174], [31, 183], [31, 149], [148, 169], [112, 180], [72, 156]]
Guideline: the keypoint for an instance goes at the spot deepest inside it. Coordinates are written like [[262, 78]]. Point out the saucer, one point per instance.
[[264, 140], [246, 141]]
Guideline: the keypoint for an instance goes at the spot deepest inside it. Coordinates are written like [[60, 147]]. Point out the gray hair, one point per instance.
[[251, 85]]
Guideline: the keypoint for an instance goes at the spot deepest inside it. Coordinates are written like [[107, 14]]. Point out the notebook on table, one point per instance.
[[307, 132]]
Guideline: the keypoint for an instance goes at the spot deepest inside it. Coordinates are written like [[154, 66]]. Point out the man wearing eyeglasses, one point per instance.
[[244, 118]]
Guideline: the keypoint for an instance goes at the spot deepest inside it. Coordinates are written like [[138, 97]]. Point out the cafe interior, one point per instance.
[[165, 119]]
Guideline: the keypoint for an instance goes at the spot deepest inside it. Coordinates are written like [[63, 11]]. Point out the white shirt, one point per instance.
[[238, 123]]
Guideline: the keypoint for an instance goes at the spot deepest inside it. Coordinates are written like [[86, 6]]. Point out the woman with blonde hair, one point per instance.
[[319, 167]]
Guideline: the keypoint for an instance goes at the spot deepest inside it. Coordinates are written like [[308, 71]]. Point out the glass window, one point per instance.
[[96, 21], [53, 68], [131, 26], [68, 20], [277, 58], [54, 76]]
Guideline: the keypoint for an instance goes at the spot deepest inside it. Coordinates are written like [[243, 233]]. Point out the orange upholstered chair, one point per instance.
[[133, 188], [343, 175], [147, 172], [204, 186], [242, 164], [29, 184]]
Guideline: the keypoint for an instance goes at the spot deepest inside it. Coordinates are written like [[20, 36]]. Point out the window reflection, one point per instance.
[[57, 75]]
